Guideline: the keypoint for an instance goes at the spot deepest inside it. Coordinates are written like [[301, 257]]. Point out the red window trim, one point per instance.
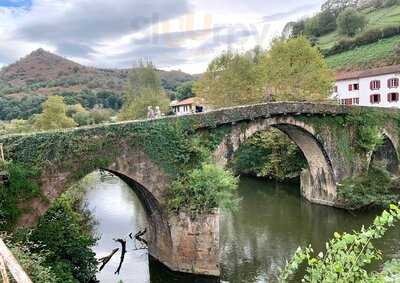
[[395, 83], [390, 97], [378, 85], [371, 98]]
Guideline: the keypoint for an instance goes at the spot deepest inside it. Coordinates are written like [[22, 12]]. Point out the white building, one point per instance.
[[186, 106], [375, 87]]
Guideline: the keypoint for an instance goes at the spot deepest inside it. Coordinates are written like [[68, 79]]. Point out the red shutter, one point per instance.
[[371, 85], [389, 98], [379, 98], [371, 100], [379, 84], [389, 83], [396, 82], [350, 87]]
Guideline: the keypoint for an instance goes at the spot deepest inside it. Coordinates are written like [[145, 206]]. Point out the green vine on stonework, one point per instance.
[[358, 132]]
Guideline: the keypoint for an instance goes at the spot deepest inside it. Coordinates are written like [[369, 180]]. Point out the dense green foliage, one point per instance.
[[15, 108], [144, 90], [270, 154], [373, 188], [293, 70], [231, 79], [21, 187], [350, 22], [204, 189], [66, 240], [347, 256], [184, 91], [363, 39], [34, 263], [54, 115]]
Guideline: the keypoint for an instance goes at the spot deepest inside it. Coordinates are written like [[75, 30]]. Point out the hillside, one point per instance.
[[367, 56], [376, 18], [370, 55], [25, 84]]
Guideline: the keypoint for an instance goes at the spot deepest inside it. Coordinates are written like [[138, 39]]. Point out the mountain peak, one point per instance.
[[39, 66]]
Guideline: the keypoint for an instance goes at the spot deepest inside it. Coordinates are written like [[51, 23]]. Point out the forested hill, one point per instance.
[[354, 34], [25, 84]]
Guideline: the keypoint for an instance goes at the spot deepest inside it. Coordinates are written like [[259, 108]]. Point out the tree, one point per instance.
[[64, 235], [53, 115], [350, 22], [145, 76], [230, 80], [184, 91], [143, 90], [294, 70]]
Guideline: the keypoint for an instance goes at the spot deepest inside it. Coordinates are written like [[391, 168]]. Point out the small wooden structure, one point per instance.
[[7, 260]]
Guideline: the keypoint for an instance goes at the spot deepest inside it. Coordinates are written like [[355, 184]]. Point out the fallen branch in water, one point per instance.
[[106, 259], [123, 252], [138, 236]]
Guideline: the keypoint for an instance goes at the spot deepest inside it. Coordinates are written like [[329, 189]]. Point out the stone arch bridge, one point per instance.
[[149, 154]]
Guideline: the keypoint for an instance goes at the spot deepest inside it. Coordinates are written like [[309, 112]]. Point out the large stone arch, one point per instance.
[[318, 182], [387, 153], [146, 179]]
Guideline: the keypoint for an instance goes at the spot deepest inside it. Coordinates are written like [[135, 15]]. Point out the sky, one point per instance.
[[174, 34]]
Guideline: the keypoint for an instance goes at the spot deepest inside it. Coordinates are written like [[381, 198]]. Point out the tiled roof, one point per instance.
[[367, 73], [187, 101]]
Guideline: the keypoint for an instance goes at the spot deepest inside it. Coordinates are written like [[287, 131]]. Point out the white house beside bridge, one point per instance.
[[375, 87]]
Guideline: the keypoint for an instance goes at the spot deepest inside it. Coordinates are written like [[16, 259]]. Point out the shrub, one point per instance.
[[368, 37], [21, 187], [270, 154], [64, 235], [347, 256], [390, 3], [203, 190], [373, 188], [34, 264], [350, 22]]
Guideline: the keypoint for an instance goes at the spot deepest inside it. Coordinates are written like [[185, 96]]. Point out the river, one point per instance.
[[273, 220]]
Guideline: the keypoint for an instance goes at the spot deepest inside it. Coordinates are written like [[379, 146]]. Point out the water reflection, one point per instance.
[[255, 241], [272, 222], [118, 212]]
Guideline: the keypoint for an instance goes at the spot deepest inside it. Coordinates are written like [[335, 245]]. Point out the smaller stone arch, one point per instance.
[[318, 183], [387, 153]]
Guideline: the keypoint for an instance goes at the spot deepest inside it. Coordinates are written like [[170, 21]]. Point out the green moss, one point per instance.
[[20, 188]]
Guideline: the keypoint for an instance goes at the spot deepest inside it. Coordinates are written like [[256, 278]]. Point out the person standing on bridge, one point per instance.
[[150, 112], [158, 112]]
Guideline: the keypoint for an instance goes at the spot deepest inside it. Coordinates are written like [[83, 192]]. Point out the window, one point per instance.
[[347, 101], [393, 97], [375, 98], [335, 88], [374, 85], [354, 87], [356, 101], [393, 83]]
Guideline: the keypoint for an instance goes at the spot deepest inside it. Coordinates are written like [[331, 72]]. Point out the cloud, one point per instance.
[[115, 33]]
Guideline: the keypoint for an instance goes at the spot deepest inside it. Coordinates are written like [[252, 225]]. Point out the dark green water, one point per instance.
[[272, 222]]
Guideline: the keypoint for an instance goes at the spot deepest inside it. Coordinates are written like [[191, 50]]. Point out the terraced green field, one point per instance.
[[366, 56], [376, 19]]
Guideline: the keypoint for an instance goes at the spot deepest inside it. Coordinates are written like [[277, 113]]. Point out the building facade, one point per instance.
[[186, 107], [375, 87]]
